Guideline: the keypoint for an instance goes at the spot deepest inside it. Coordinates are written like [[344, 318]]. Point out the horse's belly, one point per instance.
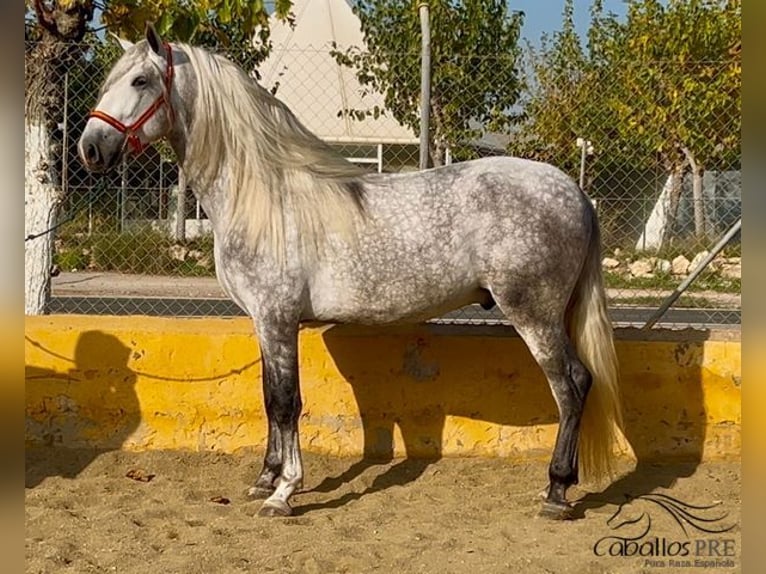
[[389, 303]]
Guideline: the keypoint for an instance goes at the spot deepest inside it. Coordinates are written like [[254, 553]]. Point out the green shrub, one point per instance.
[[145, 252], [72, 259]]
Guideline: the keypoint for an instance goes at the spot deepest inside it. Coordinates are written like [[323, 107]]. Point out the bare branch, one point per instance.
[[45, 16]]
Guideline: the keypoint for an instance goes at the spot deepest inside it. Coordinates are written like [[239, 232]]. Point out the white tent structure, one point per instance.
[[317, 89]]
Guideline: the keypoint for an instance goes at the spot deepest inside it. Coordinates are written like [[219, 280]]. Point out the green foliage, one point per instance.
[[474, 55], [666, 78], [72, 258], [683, 302], [683, 80], [229, 26], [145, 252], [562, 101], [226, 25], [707, 281], [187, 21], [141, 252]]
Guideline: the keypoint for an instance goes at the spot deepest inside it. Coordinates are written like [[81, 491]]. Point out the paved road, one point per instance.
[[125, 294], [196, 307]]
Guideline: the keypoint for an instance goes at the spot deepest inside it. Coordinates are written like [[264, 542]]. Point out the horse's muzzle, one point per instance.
[[100, 150]]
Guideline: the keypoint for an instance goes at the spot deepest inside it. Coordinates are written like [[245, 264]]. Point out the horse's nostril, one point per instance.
[[92, 154]]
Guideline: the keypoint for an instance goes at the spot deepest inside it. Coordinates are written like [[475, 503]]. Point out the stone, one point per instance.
[[610, 263], [679, 265], [662, 266], [204, 262], [178, 252], [641, 268]]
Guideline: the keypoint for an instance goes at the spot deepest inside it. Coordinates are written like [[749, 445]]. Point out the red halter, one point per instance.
[[130, 131]]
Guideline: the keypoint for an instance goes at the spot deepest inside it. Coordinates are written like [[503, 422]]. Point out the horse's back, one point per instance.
[[496, 202], [435, 239], [477, 186]]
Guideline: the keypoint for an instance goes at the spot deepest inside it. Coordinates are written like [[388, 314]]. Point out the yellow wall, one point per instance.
[[155, 383]]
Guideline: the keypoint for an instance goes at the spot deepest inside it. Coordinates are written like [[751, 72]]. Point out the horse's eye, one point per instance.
[[139, 82]]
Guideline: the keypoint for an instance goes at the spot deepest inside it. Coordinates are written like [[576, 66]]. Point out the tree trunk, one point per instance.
[[658, 228], [698, 198], [700, 221], [436, 145], [438, 153], [676, 189], [44, 61], [41, 199], [41, 190]]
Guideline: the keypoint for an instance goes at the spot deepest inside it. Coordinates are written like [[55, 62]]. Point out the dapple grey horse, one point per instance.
[[301, 234]]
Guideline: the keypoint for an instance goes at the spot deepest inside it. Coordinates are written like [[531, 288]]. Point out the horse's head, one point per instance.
[[629, 512], [135, 105]]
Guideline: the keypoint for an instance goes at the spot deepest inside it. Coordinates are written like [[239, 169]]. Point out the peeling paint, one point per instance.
[[416, 365]]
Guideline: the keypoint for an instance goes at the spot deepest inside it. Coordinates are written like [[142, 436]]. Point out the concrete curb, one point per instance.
[[164, 383]]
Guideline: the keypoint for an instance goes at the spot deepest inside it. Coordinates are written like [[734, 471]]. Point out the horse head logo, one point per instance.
[[637, 512]]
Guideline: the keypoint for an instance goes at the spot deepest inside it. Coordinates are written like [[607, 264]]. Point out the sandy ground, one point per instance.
[[84, 514]]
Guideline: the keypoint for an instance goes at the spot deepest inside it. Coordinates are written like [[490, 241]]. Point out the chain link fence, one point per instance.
[[132, 243]]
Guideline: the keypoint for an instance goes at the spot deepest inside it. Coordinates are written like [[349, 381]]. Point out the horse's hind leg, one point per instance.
[[569, 381]]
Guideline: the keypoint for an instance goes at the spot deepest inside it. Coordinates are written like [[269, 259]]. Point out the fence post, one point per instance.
[[65, 143], [180, 231], [425, 81], [586, 149], [123, 191]]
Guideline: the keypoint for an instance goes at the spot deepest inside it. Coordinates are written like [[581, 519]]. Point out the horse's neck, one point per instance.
[[213, 200]]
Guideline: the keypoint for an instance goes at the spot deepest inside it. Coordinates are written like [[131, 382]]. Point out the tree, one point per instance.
[[685, 83], [59, 26], [474, 76], [54, 30], [226, 25], [559, 105], [661, 87]]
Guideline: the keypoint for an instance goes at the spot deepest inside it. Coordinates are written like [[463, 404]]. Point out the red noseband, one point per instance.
[[130, 130]]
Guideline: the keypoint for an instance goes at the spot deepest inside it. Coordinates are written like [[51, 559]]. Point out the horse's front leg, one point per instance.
[[283, 468], [272, 461]]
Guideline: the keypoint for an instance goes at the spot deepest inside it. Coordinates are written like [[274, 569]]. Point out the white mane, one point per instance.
[[280, 176]]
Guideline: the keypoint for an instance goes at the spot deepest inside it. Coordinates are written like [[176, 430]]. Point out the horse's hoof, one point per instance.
[[275, 508], [557, 510], [259, 492]]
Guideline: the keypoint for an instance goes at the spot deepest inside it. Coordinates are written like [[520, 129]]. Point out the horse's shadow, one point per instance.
[[411, 378], [96, 397]]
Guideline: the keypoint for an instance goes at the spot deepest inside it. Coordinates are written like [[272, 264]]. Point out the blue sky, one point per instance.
[[545, 15]]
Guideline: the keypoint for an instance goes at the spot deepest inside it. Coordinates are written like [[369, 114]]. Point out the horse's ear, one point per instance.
[[154, 39], [124, 44]]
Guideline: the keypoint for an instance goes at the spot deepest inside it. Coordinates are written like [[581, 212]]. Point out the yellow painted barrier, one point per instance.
[[156, 383]]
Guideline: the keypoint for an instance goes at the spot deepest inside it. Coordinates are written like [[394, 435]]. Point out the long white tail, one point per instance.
[[591, 332]]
